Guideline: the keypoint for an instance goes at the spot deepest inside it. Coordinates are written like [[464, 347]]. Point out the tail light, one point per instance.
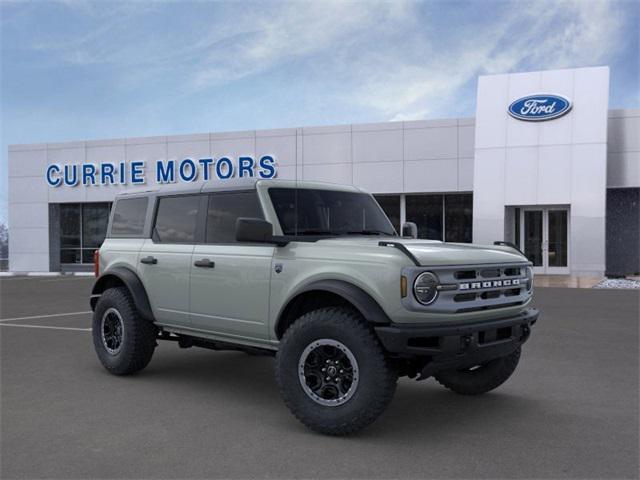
[[96, 263]]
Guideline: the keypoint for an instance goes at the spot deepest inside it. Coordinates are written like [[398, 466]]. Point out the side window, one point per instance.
[[129, 216], [224, 209], [176, 219]]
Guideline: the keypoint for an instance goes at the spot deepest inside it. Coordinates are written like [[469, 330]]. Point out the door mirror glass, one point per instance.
[[253, 230], [409, 230]]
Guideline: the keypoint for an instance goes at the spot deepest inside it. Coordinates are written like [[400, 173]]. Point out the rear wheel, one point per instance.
[[481, 378], [333, 373], [124, 342]]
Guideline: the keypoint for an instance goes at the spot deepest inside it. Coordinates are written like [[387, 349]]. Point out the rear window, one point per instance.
[[176, 219], [128, 216], [224, 209]]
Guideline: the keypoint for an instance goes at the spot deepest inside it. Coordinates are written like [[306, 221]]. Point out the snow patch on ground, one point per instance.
[[618, 283]]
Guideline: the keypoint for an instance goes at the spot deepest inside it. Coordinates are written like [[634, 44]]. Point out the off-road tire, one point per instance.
[[480, 380], [138, 341], [377, 377]]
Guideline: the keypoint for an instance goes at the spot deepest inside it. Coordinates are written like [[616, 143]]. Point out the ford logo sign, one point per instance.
[[536, 108]]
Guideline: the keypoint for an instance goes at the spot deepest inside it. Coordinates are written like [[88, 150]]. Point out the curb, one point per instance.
[[46, 274]]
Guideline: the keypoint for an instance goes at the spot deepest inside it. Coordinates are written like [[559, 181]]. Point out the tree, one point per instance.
[[4, 241]]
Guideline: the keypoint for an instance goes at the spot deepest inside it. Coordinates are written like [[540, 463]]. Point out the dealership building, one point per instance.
[[544, 164]]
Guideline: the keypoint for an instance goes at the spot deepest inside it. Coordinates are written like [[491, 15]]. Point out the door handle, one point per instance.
[[204, 263], [149, 260]]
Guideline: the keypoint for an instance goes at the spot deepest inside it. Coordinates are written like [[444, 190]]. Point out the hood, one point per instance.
[[433, 252]]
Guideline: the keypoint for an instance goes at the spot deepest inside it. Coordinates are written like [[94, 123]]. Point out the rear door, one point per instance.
[[165, 259], [230, 280]]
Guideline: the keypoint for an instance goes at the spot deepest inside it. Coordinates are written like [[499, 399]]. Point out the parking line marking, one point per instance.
[[45, 326], [43, 316]]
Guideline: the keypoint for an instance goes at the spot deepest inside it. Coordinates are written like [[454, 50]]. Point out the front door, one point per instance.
[[544, 234]]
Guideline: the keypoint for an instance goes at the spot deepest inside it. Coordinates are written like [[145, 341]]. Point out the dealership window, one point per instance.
[[445, 217], [426, 211], [458, 217], [83, 227], [391, 206]]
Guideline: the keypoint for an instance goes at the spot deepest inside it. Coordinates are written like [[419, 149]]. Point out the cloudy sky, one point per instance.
[[74, 70]]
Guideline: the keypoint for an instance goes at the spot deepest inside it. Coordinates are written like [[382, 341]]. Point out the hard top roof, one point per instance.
[[234, 185]]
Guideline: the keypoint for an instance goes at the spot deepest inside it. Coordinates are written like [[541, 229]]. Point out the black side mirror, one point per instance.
[[253, 230], [409, 230]]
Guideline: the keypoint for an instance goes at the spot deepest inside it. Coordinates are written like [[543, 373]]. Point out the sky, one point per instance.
[[76, 70]]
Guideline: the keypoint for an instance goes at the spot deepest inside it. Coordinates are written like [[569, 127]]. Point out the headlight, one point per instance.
[[529, 279], [425, 288]]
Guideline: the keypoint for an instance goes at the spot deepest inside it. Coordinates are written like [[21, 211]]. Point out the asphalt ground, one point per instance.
[[570, 410]]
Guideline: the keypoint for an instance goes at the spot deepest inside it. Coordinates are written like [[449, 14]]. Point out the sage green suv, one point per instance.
[[315, 275]]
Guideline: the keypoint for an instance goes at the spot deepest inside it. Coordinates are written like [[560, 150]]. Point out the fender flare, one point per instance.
[[133, 284], [361, 300]]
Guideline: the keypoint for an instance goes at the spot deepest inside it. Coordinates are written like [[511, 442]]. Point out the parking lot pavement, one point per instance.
[[570, 410]]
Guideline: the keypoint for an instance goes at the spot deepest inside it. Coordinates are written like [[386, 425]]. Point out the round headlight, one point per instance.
[[425, 288]]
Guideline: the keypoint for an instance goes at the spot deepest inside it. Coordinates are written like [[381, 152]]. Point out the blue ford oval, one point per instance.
[[536, 108]]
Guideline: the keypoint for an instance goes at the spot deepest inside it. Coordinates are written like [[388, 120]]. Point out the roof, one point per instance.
[[234, 184]]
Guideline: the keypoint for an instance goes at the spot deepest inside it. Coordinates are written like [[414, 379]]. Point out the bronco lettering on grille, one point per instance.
[[489, 284]]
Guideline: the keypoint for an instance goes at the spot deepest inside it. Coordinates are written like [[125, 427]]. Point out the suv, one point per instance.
[[315, 275]]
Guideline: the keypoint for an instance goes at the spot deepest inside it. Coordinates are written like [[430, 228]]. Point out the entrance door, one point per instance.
[[544, 235]]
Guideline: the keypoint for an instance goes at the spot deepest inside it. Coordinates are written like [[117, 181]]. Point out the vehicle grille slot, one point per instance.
[[490, 273], [464, 297], [465, 275], [489, 295], [513, 292], [512, 272], [488, 307]]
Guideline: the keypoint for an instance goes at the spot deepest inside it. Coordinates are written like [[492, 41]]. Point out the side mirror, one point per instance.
[[253, 230], [409, 230]]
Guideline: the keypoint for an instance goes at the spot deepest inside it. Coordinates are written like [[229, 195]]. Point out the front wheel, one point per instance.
[[332, 372], [481, 378], [124, 342]]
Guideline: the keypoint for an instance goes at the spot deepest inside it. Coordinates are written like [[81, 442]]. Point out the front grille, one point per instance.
[[468, 289]]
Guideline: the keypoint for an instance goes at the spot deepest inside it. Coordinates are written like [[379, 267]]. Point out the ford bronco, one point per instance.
[[316, 275]]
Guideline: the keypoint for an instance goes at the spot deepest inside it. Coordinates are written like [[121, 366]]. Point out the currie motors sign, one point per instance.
[[164, 171], [540, 107]]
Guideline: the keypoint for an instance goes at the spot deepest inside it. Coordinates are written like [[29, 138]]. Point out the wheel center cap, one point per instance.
[[331, 371]]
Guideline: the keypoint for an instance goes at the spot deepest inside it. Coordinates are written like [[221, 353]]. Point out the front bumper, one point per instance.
[[446, 347]]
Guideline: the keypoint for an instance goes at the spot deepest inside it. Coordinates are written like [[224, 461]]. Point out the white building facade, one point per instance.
[[544, 164]]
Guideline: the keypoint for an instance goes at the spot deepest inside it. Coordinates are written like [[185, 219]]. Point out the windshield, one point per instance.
[[328, 212]]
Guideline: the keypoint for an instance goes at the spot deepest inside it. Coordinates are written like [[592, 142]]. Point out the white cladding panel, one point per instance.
[[560, 161], [623, 146]]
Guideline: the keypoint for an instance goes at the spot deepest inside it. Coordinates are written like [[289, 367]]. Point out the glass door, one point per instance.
[[533, 240], [557, 245], [544, 237]]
